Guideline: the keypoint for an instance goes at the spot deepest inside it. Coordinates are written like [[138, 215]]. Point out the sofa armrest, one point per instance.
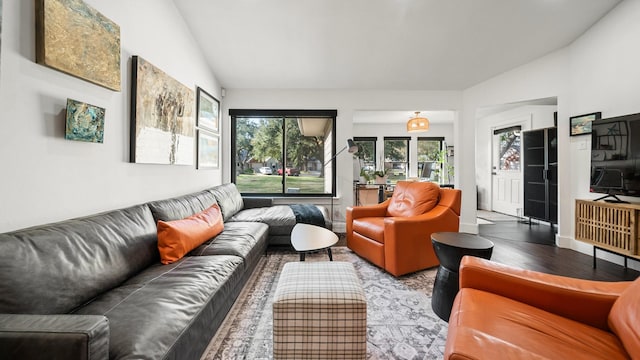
[[25, 336], [585, 301], [256, 202], [377, 210]]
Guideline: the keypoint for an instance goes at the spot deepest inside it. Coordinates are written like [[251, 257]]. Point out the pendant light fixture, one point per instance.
[[418, 124]]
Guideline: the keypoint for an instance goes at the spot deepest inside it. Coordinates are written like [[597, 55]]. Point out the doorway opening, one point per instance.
[[501, 159]]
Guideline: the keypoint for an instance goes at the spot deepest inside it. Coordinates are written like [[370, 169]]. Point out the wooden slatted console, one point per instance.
[[612, 227]]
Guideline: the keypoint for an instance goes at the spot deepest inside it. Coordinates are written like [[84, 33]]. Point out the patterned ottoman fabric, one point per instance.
[[319, 312]]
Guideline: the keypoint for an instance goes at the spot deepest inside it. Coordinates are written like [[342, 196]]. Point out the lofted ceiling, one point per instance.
[[380, 44]]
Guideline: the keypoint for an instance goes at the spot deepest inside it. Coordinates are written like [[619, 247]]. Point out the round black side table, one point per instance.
[[450, 247]]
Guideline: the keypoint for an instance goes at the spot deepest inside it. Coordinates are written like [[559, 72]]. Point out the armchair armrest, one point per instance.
[[586, 301], [407, 240], [378, 210], [83, 337]]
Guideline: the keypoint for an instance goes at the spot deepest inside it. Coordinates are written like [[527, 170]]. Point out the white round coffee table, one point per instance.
[[306, 238]]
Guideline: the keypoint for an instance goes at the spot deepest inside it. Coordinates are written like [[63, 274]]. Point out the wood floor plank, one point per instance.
[[531, 247]]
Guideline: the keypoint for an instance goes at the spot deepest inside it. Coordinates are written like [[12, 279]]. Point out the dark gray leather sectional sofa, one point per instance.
[[94, 288]]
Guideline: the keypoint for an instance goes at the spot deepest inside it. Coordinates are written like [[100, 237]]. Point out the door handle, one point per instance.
[[494, 173]]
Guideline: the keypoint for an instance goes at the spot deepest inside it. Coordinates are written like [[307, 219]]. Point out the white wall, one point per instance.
[[598, 72], [531, 116], [604, 76], [346, 103], [47, 178]]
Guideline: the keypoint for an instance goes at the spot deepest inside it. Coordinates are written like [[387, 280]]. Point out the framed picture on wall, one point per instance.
[[208, 150], [85, 122], [208, 111], [75, 38], [162, 117], [581, 125]]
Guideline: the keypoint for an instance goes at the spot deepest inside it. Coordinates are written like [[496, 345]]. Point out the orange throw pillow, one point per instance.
[[413, 198], [176, 238]]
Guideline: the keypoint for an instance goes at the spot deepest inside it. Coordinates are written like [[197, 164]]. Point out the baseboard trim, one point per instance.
[[469, 228], [565, 242]]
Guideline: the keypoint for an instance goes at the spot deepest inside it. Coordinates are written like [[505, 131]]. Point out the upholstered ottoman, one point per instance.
[[319, 312]]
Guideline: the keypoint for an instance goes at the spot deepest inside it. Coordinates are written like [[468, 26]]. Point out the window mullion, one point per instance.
[[283, 156]]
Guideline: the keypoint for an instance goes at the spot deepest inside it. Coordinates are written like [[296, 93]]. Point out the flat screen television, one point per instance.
[[615, 157]]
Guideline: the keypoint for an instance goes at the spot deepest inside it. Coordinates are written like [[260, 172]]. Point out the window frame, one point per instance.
[[442, 142], [500, 131], [374, 140], [408, 161], [284, 114]]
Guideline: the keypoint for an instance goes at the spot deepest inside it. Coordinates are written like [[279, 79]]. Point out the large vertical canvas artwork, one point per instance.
[[76, 39], [162, 117], [85, 122]]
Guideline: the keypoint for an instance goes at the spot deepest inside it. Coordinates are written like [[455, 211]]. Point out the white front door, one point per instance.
[[506, 173]]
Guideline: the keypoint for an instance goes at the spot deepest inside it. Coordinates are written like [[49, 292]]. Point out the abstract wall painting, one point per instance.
[[76, 39], [84, 122], [208, 110], [162, 117], [208, 150]]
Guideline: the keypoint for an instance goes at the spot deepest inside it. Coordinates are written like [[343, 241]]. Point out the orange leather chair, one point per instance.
[[504, 312], [396, 234]]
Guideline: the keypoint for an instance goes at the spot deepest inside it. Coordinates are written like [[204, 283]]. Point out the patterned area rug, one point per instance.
[[400, 322]]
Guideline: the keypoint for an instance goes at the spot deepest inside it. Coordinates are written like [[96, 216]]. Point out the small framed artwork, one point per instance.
[[581, 125], [208, 150], [84, 122], [208, 110]]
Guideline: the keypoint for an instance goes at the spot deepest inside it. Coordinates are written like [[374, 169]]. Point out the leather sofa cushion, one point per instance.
[[229, 199], [413, 198], [182, 206], [150, 313], [280, 218], [176, 238], [55, 268], [247, 240], [371, 227], [490, 326], [623, 319]]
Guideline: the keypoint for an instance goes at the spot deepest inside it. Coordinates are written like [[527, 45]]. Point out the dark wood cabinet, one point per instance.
[[540, 175]]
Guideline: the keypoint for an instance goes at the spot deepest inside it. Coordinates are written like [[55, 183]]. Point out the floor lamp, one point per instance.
[[353, 148]]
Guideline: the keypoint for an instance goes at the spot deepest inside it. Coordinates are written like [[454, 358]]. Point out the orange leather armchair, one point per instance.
[[396, 234], [504, 312]]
